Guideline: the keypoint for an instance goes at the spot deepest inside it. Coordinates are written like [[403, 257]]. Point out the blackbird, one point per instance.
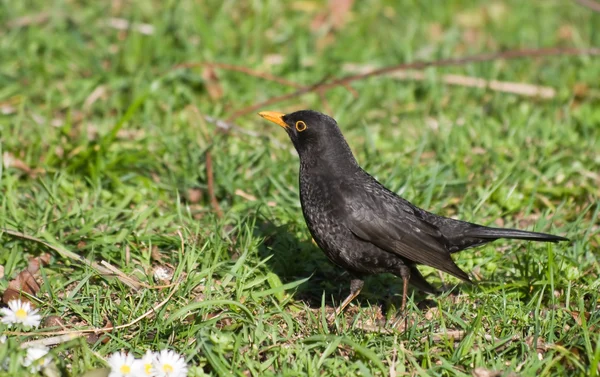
[[365, 228]]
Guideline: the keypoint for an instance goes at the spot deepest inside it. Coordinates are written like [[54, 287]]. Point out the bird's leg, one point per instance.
[[404, 292], [405, 275], [355, 288], [404, 272]]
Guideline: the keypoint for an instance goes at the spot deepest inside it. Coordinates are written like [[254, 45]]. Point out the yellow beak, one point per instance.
[[274, 117]]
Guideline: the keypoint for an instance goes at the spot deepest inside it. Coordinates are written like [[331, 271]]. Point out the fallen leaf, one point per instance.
[[482, 372], [155, 254], [539, 346], [339, 11], [163, 274], [496, 11], [124, 25], [100, 335], [34, 19], [334, 18], [194, 195], [211, 82], [131, 134], [318, 21], [104, 372], [581, 90], [54, 321], [432, 313], [245, 195], [472, 18], [273, 59], [26, 280], [305, 6], [436, 32], [95, 95], [455, 335], [7, 109], [577, 317], [565, 33], [10, 161]]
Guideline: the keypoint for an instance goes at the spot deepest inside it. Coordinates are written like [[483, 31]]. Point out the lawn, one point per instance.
[[163, 217]]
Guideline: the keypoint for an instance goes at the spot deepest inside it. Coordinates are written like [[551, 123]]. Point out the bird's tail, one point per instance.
[[495, 233]]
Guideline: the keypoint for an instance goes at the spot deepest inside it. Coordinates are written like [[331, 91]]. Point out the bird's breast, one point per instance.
[[321, 206]]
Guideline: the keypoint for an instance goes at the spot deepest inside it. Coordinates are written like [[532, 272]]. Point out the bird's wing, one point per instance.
[[376, 215]]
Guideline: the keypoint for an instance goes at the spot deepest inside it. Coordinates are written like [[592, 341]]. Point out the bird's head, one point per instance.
[[313, 134]]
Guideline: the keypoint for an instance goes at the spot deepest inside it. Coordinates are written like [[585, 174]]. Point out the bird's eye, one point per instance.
[[300, 126]]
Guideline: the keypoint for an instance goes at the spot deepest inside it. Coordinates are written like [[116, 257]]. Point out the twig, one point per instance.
[[261, 75], [102, 268], [123, 24], [60, 250], [101, 330], [455, 335], [590, 4], [126, 279], [226, 127], [211, 185], [273, 100], [245, 195], [523, 89], [242, 69], [51, 341], [32, 19], [209, 167], [506, 55], [96, 94]]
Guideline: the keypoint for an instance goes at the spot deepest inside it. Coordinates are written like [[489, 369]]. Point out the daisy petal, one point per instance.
[[121, 364], [36, 358], [169, 364], [20, 312]]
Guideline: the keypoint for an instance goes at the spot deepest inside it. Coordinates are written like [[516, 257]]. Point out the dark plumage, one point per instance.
[[366, 228]]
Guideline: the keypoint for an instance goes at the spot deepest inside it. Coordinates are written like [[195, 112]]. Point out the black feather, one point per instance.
[[495, 233]]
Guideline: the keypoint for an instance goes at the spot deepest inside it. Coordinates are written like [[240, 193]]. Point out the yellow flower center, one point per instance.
[[125, 369], [21, 313], [167, 368], [148, 368]]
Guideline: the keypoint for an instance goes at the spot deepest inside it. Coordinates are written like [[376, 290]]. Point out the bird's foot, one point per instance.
[[355, 287], [331, 317]]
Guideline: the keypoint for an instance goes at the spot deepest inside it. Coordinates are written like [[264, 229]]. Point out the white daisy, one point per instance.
[[169, 364], [36, 358], [121, 364], [143, 366], [20, 312]]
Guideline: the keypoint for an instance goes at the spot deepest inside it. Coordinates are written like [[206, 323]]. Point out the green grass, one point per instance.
[[115, 176]]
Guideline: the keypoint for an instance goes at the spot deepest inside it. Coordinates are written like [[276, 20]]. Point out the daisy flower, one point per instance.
[[143, 366], [169, 364], [20, 312], [121, 364], [36, 358]]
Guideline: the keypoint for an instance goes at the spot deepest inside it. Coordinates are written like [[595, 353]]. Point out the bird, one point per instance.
[[364, 227]]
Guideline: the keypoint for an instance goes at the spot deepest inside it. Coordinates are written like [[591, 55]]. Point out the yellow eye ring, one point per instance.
[[300, 126]]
